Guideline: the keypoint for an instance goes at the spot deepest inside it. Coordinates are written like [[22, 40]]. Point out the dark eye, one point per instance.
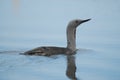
[[76, 21]]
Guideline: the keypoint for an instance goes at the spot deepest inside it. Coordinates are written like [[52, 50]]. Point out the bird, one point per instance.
[[71, 42]]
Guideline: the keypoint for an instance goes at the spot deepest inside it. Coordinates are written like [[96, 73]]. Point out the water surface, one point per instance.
[[28, 24]]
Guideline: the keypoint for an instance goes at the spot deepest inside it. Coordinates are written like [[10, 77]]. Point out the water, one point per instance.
[[90, 65], [28, 24]]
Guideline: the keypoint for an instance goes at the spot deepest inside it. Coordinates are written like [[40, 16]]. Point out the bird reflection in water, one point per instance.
[[71, 67]]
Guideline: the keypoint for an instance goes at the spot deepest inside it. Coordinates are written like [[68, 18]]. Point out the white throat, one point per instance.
[[71, 38]]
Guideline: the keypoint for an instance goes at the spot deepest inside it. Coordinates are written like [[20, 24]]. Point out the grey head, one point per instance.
[[71, 33], [75, 23]]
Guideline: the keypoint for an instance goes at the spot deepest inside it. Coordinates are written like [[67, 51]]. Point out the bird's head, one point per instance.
[[75, 23]]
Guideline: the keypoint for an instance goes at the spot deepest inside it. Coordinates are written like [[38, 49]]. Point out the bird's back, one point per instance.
[[48, 51]]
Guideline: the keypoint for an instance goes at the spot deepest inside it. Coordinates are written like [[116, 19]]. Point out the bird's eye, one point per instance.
[[76, 21]]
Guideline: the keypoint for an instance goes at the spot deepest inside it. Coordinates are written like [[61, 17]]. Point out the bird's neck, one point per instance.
[[71, 38]]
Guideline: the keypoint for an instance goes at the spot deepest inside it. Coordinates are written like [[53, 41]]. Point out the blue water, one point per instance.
[[26, 24]]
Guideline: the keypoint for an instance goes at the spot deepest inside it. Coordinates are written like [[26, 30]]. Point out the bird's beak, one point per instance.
[[85, 20]]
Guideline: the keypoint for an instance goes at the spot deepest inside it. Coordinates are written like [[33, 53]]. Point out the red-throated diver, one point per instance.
[[71, 42]]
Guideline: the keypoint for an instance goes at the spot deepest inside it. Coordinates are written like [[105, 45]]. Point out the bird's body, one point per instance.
[[48, 51], [71, 42]]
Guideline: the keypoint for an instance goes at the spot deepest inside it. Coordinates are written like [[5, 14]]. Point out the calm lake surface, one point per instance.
[[27, 24]]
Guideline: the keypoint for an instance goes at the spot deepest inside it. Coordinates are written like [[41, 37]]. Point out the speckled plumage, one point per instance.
[[71, 42]]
